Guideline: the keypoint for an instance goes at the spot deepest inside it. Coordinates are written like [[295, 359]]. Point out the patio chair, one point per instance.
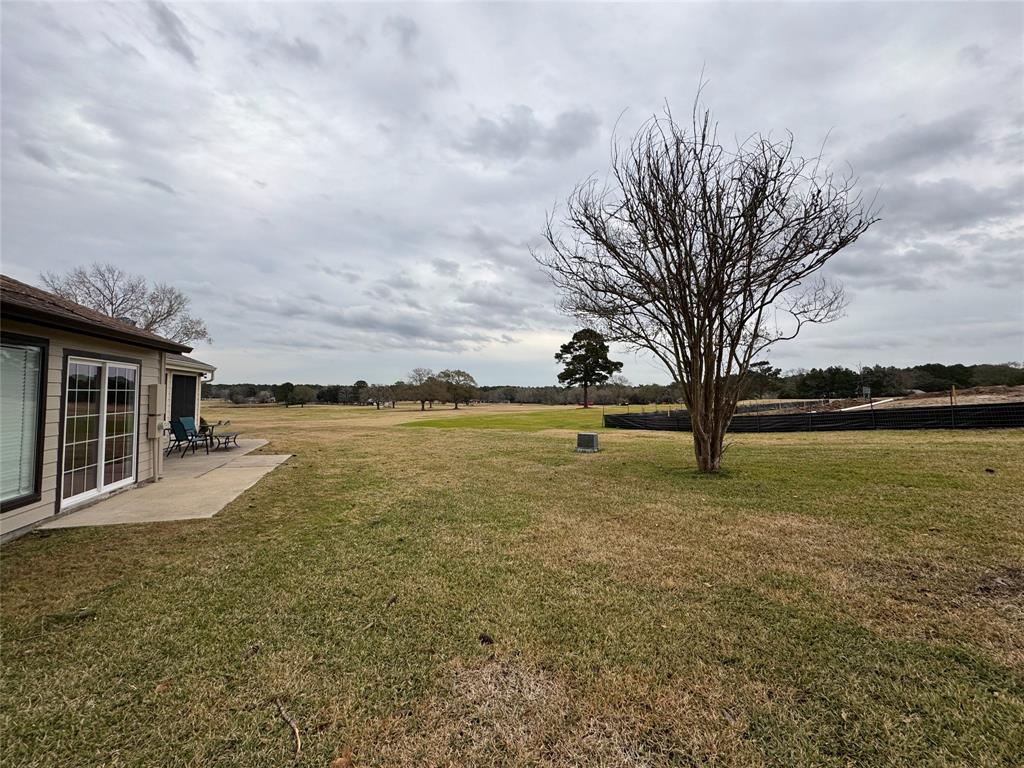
[[187, 438], [203, 430], [173, 441], [189, 424]]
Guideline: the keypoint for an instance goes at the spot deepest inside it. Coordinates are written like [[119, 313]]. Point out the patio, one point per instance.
[[196, 486]]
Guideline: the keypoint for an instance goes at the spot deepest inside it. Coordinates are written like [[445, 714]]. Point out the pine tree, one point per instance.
[[586, 363]]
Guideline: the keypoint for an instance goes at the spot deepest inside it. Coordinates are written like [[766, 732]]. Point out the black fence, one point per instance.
[[991, 416]]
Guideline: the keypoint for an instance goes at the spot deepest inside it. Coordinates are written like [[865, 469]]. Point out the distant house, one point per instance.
[[83, 398]]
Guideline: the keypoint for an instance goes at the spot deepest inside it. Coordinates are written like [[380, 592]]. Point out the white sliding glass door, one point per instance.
[[120, 425], [100, 428]]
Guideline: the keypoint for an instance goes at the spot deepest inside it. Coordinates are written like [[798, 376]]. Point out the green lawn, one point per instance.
[[550, 418], [832, 600]]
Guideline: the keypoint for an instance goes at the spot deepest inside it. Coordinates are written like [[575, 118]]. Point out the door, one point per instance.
[[183, 396], [100, 428]]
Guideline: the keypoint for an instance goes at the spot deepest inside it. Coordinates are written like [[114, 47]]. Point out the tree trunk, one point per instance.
[[708, 452], [585, 388], [423, 405], [708, 424], [456, 405]]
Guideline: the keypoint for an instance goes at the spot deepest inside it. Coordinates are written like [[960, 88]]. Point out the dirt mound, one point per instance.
[[1002, 391]]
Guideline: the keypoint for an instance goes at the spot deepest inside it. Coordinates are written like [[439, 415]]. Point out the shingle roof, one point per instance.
[[20, 301]]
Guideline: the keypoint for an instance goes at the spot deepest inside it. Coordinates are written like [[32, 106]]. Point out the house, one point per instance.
[[83, 400]]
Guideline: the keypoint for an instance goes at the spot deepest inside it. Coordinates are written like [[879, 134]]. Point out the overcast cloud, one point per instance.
[[351, 191]]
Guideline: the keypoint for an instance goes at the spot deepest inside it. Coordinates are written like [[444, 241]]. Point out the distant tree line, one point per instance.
[[884, 381], [617, 390], [426, 387]]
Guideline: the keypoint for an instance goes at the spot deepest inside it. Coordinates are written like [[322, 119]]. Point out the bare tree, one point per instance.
[[704, 256], [422, 386], [106, 288], [381, 394], [618, 386], [419, 376], [461, 386]]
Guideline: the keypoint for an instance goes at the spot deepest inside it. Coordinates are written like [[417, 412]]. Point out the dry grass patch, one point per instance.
[[505, 711]]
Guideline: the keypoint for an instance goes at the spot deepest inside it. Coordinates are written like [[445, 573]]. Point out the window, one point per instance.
[[100, 428], [22, 404]]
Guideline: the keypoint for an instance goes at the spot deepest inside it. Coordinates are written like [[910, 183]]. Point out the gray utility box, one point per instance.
[[586, 442]]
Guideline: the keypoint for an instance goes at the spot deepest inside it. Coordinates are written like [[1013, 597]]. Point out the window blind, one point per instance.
[[19, 418]]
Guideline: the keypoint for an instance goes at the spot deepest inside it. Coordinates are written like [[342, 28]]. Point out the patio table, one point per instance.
[[224, 440]]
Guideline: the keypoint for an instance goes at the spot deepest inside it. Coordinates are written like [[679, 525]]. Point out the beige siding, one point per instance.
[[150, 455]]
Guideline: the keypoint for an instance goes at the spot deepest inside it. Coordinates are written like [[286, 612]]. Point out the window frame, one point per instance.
[[43, 344], [105, 362]]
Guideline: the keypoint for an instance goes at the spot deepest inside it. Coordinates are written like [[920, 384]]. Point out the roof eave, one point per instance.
[[179, 365], [12, 311]]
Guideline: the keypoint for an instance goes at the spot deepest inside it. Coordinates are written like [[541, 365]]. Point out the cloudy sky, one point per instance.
[[348, 191]]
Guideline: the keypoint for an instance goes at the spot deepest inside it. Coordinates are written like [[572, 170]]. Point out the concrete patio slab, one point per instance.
[[197, 486], [200, 462], [259, 460]]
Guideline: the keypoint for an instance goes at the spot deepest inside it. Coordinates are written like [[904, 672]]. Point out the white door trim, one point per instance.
[[101, 488]]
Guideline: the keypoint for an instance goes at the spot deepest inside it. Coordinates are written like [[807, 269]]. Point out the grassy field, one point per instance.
[[527, 419], [485, 597]]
